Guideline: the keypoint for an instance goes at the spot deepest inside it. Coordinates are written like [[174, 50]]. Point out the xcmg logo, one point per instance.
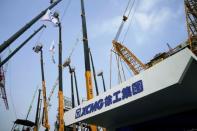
[[117, 96]]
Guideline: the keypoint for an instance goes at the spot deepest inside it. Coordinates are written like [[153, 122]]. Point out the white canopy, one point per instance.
[[168, 87]]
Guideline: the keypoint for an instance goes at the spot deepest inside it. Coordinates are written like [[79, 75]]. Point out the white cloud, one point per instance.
[[115, 3], [106, 27], [143, 18], [153, 21], [147, 5], [154, 15], [151, 16]]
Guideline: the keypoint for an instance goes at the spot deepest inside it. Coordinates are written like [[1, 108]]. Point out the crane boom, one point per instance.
[[129, 58], [38, 49], [87, 59], [191, 19], [8, 42], [21, 45], [124, 53], [86, 54]]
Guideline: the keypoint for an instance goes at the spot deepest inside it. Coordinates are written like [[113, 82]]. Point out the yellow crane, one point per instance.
[[87, 59], [38, 49], [129, 58], [123, 52], [133, 62]]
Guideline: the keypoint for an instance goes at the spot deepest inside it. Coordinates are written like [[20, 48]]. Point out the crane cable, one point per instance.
[[65, 10], [126, 33], [30, 106], [126, 14], [118, 65], [122, 70], [75, 45], [110, 75], [128, 70], [125, 17], [132, 4], [39, 37]]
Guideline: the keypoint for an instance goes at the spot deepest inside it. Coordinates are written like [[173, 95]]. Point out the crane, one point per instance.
[[123, 52], [57, 79], [31, 104], [87, 59], [9, 41], [38, 49], [129, 58], [133, 62], [191, 20], [38, 111]]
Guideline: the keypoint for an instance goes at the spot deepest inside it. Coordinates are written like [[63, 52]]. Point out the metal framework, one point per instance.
[[131, 60], [2, 88], [191, 19]]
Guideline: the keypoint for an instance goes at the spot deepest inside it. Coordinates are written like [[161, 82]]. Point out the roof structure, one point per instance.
[[167, 88]]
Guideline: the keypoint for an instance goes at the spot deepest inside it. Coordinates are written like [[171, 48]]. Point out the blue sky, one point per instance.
[[154, 24]]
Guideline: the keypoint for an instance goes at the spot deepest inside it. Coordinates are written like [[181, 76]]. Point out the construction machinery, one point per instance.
[[101, 74], [60, 67], [21, 45], [87, 59], [94, 72], [191, 20], [38, 49], [123, 52], [27, 124], [57, 79], [129, 58], [8, 42], [86, 54], [136, 65], [38, 111], [72, 74], [31, 104], [118, 47], [71, 70]]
